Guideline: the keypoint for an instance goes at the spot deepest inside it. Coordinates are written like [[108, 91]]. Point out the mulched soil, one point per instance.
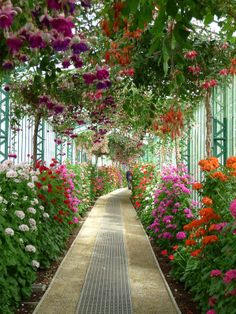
[[183, 298]]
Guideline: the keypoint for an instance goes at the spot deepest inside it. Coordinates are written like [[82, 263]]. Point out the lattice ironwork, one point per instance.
[[185, 148], [219, 124], [40, 141], [4, 124]]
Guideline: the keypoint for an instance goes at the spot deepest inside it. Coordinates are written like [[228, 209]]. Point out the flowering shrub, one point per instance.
[[37, 209], [143, 175], [108, 179], [202, 262]]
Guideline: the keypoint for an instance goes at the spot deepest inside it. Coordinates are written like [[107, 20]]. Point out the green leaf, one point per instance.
[[208, 18], [166, 58], [171, 8]]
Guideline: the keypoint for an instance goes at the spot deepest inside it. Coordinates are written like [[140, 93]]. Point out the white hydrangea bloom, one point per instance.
[[31, 210], [9, 231], [41, 207], [20, 214], [34, 178], [30, 185], [45, 215], [35, 263], [11, 174], [30, 248], [32, 222], [36, 201], [25, 198], [24, 228], [5, 202]]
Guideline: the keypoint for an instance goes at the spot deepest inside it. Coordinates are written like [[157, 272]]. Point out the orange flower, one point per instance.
[[233, 173], [209, 214], [209, 164], [219, 175], [200, 232], [212, 227], [196, 252], [207, 200], [194, 224], [231, 162], [209, 239], [197, 186], [190, 242]]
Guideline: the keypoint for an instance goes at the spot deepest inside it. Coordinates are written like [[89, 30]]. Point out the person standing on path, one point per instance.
[[129, 179]]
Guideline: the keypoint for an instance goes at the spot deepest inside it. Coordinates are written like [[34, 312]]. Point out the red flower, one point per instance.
[[38, 184], [175, 247], [164, 252], [171, 257]]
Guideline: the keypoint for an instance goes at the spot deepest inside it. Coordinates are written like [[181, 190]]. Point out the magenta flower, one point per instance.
[[75, 220], [211, 311], [232, 208], [89, 78], [216, 273], [22, 57], [54, 4], [8, 65], [7, 14], [181, 235], [224, 72], [77, 48], [229, 276], [66, 63], [36, 40], [61, 44], [63, 26], [102, 74], [14, 44], [78, 63], [86, 3]]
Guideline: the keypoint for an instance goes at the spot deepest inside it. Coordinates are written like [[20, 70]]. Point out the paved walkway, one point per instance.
[[110, 268]]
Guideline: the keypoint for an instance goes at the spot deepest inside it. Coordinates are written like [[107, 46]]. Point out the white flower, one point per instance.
[[20, 214], [45, 215], [30, 185], [1, 199], [24, 228], [30, 248], [36, 201], [9, 231], [34, 178], [25, 198], [31, 210], [45, 187], [4, 209], [11, 174], [41, 207], [35, 263], [21, 240], [17, 180], [5, 202], [32, 222]]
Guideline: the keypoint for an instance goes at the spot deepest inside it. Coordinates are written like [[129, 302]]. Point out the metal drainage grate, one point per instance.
[[106, 289]]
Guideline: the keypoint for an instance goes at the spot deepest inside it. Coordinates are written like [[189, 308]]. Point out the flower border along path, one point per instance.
[[149, 291]]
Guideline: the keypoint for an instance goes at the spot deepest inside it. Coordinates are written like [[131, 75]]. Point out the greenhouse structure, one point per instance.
[[117, 157]]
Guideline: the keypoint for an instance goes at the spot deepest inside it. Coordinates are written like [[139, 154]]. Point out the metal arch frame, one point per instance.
[[185, 148], [4, 123], [220, 134], [40, 141]]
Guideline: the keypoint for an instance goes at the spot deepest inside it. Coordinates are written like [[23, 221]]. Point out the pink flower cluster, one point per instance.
[[191, 54], [194, 69], [232, 208], [209, 84]]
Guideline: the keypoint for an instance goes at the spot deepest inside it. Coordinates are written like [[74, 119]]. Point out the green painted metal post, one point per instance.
[[4, 124]]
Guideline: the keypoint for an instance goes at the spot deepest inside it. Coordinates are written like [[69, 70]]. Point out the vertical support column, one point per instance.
[[4, 124], [40, 141], [185, 148], [70, 151]]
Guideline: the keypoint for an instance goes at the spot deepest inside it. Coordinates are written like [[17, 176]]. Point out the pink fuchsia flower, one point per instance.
[[8, 65], [7, 14], [216, 273], [78, 63], [191, 54], [54, 4], [211, 311], [66, 63], [209, 84], [12, 155], [229, 276], [89, 78], [61, 43], [232, 208], [14, 44], [181, 235], [194, 69], [63, 26], [102, 74], [78, 47], [224, 72], [36, 40]]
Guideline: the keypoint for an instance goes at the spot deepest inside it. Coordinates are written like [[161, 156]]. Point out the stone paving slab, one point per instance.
[[149, 291]]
